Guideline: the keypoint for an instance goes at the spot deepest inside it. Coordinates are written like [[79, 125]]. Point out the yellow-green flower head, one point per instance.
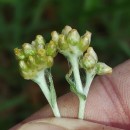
[[28, 49], [39, 42], [73, 37], [70, 42], [90, 62], [89, 59], [35, 56], [51, 48], [85, 41], [102, 69], [55, 36], [19, 54], [66, 30]]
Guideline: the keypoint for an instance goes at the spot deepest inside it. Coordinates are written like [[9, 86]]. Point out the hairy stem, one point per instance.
[[90, 75], [75, 67], [82, 104], [41, 81], [55, 110]]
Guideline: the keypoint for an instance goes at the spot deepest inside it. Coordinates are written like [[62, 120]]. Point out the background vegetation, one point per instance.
[[21, 20]]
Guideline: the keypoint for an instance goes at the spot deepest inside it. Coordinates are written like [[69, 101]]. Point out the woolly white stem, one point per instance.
[[55, 110], [90, 75], [82, 104], [41, 81], [75, 67]]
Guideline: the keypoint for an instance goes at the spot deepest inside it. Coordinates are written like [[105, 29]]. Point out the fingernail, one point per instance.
[[40, 126]]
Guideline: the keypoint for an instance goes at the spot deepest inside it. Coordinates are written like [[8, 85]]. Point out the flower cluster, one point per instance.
[[35, 56], [78, 52], [35, 59], [69, 41]]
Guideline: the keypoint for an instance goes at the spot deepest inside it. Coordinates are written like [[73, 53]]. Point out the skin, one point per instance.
[[108, 104]]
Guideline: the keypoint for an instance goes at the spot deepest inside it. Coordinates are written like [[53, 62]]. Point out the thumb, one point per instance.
[[64, 124]]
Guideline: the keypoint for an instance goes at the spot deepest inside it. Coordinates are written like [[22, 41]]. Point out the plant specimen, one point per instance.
[[35, 61], [36, 58], [77, 51]]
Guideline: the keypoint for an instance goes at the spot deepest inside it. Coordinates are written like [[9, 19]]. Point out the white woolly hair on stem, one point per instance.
[[79, 86], [41, 81], [75, 67]]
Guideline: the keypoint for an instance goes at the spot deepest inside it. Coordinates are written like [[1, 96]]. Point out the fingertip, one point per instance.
[[64, 124], [40, 126]]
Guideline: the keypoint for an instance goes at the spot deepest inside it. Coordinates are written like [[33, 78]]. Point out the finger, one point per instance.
[[63, 124], [107, 102]]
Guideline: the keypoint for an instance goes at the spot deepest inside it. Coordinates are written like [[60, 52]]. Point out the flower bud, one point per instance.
[[19, 54], [31, 60], [73, 37], [55, 36], [28, 49], [40, 40], [23, 65], [51, 49], [88, 36], [91, 52], [66, 30], [88, 61], [40, 56], [49, 62], [85, 41], [62, 44], [41, 52], [102, 69]]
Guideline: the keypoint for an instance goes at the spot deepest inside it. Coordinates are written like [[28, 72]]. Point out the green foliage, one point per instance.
[[21, 20]]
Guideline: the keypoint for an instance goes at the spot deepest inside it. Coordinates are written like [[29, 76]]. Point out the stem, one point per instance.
[[41, 81], [55, 110], [82, 103], [90, 75], [75, 67], [54, 105]]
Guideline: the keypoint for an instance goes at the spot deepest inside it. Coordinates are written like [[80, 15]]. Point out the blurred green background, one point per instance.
[[22, 20]]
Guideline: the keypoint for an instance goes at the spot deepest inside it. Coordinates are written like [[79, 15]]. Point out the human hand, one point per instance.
[[108, 104]]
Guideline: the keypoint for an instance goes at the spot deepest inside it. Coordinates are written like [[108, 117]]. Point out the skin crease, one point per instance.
[[108, 101]]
